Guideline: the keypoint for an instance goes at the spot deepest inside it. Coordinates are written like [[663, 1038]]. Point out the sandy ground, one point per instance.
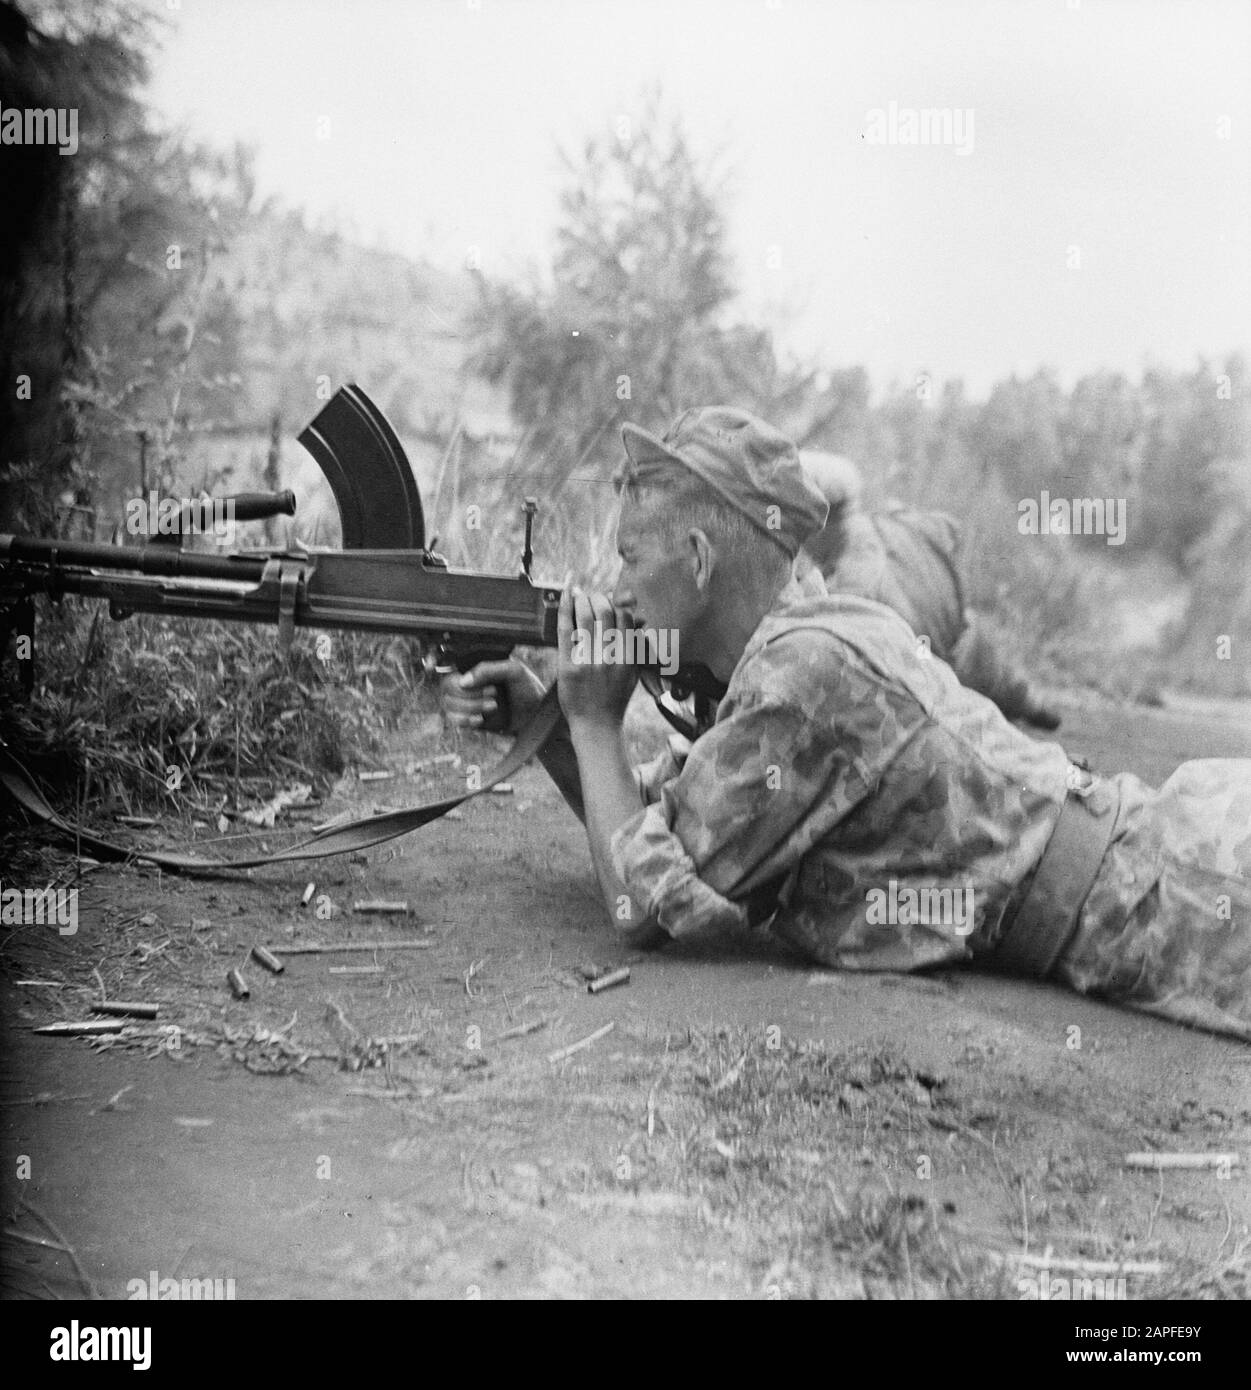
[[747, 1127]]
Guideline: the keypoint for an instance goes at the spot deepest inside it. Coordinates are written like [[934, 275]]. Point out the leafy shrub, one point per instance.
[[116, 708]]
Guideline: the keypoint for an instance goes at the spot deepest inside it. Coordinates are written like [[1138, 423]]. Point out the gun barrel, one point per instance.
[[260, 506], [164, 560]]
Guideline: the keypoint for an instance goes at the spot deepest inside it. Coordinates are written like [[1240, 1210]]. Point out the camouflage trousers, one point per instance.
[[1167, 925]]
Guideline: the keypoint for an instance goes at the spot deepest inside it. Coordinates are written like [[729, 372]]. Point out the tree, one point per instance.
[[1015, 436], [1198, 438], [162, 332], [60, 63], [110, 308], [633, 325]]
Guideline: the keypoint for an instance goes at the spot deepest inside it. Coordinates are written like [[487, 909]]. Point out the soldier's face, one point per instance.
[[658, 583]]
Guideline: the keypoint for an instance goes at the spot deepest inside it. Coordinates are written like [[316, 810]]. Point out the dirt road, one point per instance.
[[745, 1128]]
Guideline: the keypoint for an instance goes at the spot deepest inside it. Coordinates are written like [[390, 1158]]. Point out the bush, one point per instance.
[[157, 711]]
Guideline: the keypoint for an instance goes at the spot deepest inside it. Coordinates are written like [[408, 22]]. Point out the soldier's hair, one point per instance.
[[689, 504]]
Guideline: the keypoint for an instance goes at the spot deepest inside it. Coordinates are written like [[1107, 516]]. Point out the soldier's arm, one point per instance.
[[783, 764], [593, 696], [611, 797]]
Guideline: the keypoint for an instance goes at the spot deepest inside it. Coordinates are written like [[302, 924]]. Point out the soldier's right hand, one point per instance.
[[471, 698]]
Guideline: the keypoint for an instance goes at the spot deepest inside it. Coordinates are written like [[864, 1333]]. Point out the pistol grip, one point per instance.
[[498, 723], [502, 718]]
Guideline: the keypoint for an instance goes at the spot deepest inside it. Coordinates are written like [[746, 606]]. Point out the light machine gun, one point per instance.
[[384, 580]]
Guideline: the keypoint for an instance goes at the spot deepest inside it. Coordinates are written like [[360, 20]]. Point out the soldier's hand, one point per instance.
[[471, 698], [592, 685]]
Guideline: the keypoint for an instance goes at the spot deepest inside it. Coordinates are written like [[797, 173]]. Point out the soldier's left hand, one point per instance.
[[592, 688]]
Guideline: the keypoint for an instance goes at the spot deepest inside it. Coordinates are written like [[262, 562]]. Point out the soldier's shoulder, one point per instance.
[[816, 638], [834, 612]]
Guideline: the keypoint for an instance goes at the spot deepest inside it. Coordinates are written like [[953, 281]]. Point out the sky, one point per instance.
[[1088, 207]]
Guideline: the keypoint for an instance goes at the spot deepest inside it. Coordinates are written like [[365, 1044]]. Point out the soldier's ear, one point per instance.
[[703, 557]]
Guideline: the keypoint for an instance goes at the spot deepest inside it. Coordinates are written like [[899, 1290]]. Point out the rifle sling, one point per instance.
[[343, 839]]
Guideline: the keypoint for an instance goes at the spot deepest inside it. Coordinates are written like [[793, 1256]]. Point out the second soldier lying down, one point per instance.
[[850, 798], [912, 561]]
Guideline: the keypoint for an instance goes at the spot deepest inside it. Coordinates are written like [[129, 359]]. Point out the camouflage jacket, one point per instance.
[[850, 782]]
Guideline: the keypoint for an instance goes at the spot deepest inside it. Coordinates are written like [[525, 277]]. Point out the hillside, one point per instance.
[[311, 304], [308, 307]]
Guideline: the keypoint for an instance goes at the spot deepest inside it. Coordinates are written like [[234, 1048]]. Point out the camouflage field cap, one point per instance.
[[749, 464]]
